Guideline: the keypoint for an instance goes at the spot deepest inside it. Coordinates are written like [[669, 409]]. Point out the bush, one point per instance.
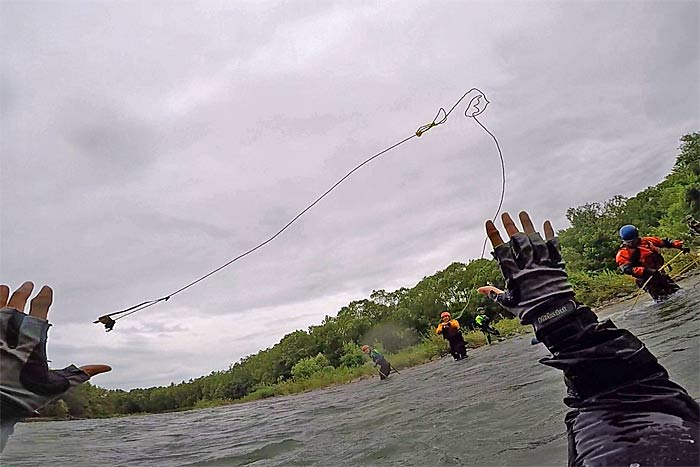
[[205, 404], [474, 339], [511, 327], [431, 347], [309, 366], [435, 345], [352, 356], [594, 288], [263, 392]]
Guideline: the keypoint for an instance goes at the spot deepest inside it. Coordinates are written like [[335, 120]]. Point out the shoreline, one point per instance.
[[603, 310]]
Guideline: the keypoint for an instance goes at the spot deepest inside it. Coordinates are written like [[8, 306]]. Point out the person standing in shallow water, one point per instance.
[[379, 360], [484, 324], [640, 258], [626, 410], [449, 329]]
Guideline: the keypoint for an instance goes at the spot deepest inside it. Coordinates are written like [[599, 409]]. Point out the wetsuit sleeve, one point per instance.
[[677, 244], [439, 329], [657, 242], [455, 323]]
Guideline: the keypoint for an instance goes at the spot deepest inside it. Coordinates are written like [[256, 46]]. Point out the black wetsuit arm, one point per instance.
[[620, 391], [597, 357], [627, 269], [7, 427]]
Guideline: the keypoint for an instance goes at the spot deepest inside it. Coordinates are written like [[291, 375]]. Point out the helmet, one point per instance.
[[365, 348], [480, 309], [629, 232], [445, 314]]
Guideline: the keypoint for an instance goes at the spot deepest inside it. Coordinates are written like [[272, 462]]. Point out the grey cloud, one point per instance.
[[112, 150]]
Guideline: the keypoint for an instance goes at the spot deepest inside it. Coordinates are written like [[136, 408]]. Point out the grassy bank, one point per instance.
[[429, 349], [591, 288]]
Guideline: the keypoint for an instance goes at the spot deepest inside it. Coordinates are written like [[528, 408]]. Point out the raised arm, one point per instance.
[[627, 411]]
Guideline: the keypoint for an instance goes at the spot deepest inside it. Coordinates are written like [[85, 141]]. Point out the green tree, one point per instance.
[[309, 366], [352, 355]]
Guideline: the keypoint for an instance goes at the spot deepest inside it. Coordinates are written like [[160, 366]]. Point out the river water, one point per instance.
[[500, 407]]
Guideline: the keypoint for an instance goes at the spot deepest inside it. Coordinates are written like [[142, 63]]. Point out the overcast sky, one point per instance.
[[144, 144]]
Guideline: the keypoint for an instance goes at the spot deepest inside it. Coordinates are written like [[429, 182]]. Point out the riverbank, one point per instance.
[[616, 299], [432, 348], [604, 292]]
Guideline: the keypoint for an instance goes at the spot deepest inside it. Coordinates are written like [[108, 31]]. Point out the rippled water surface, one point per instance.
[[498, 408]]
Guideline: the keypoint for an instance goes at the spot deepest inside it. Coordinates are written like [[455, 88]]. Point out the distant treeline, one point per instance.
[[405, 318]]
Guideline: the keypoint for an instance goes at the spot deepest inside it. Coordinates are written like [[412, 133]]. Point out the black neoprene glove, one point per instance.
[[537, 286], [648, 272]]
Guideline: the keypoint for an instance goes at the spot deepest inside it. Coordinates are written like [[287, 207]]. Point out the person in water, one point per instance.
[[26, 382], [484, 324], [626, 410], [379, 360], [641, 259], [449, 329]]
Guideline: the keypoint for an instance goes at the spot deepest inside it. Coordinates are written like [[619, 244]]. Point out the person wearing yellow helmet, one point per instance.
[[449, 329], [379, 360]]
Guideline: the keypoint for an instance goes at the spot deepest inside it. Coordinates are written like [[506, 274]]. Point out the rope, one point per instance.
[[687, 267], [493, 219], [474, 108]]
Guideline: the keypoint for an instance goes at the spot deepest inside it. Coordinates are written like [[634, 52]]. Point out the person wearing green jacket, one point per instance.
[[484, 324], [379, 360]]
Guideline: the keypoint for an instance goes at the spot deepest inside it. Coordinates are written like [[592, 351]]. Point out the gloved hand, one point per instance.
[[685, 250], [537, 287], [27, 383], [648, 272]]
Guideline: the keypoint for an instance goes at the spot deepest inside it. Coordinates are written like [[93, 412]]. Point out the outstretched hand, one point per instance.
[[27, 383], [487, 289], [532, 268], [39, 309]]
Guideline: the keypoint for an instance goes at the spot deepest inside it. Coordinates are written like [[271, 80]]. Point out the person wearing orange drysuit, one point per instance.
[[641, 259], [449, 329]]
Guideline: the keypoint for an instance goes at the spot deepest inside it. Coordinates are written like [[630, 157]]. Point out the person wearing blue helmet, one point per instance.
[[640, 258]]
